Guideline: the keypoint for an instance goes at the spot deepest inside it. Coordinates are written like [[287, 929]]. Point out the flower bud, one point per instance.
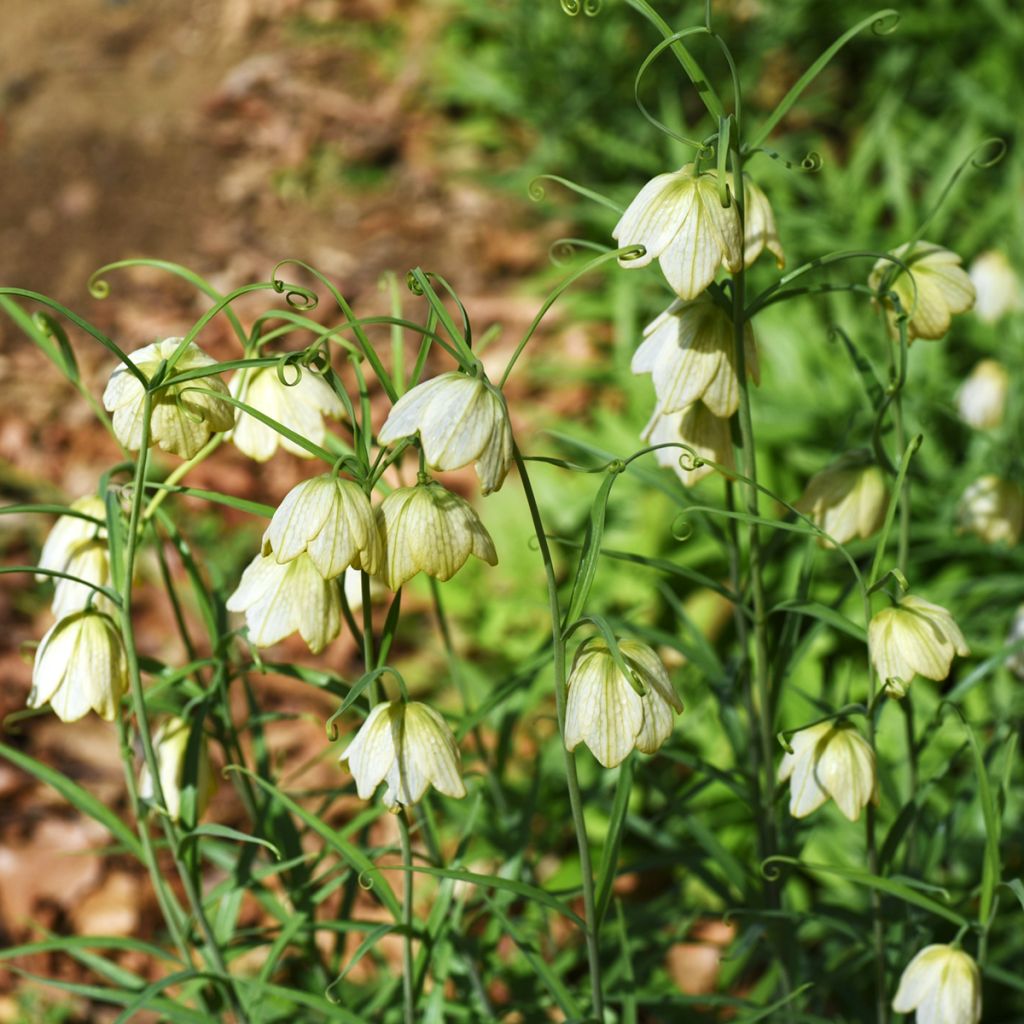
[[690, 353], [429, 529], [679, 220], [846, 499], [997, 286], [698, 428], [330, 519], [915, 637], [70, 533], [830, 759], [80, 666], [460, 419], [183, 415], [280, 598], [604, 709], [992, 509], [982, 396], [410, 747], [300, 405], [942, 288], [943, 984], [170, 744]]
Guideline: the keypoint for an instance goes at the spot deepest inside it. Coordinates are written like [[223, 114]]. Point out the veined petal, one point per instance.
[[406, 414]]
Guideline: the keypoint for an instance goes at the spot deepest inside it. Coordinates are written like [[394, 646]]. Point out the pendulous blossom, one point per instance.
[[332, 521], [91, 563], [943, 288], [846, 499], [183, 415], [429, 529], [943, 985], [830, 759], [1016, 663], [915, 637], [460, 420], [680, 221], [981, 399], [992, 509], [997, 286], [80, 666], [300, 405], [170, 744], [759, 230], [408, 746], [698, 428], [70, 533], [605, 711]]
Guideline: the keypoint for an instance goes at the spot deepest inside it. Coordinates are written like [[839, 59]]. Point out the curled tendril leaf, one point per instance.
[[99, 288], [811, 163], [413, 284], [682, 528], [632, 252], [290, 360], [536, 191], [886, 23], [365, 882], [591, 8]]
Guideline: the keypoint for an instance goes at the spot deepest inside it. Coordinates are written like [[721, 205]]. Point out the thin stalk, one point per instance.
[[178, 472], [571, 779], [408, 996]]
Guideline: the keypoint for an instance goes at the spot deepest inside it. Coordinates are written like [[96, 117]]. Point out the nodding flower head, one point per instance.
[[846, 499], [183, 416], [943, 985], [993, 509], [170, 744], [759, 230], [698, 428], [981, 399], [997, 286], [680, 221]]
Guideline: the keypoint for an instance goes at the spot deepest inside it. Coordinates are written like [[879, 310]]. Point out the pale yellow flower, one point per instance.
[[700, 429], [830, 759], [299, 405], [943, 288], [70, 533], [604, 711], [846, 499], [943, 985], [429, 529], [982, 396], [80, 666], [679, 220], [409, 747], [90, 562], [330, 519], [1016, 662], [280, 598], [460, 419], [992, 509], [183, 415], [690, 353], [170, 744], [759, 230], [997, 286], [913, 638]]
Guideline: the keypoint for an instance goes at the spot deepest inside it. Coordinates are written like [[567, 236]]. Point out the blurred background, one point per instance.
[[371, 136]]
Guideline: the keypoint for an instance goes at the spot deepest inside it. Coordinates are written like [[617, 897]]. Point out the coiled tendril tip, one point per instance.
[[590, 8]]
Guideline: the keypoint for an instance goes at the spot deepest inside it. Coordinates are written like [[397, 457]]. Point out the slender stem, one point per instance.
[[178, 473], [572, 781], [408, 995]]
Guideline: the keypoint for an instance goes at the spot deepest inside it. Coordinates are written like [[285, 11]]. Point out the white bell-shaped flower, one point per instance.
[[698, 428], [680, 221], [943, 985], [1016, 662], [410, 747], [460, 420], [90, 563], [80, 666], [981, 398], [943, 288], [429, 529], [300, 405], [170, 744], [330, 519], [992, 509], [830, 759], [604, 709], [690, 353], [915, 637], [70, 533], [997, 286], [280, 598], [846, 499], [759, 230], [183, 415]]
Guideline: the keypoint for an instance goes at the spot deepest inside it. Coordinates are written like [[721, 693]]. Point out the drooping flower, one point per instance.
[[943, 288], [680, 221], [170, 744], [690, 353], [300, 405], [410, 747], [183, 415], [997, 286], [982, 396], [80, 666], [1016, 662], [330, 519], [429, 529], [698, 428], [605, 711], [460, 419], [280, 598], [913, 638], [846, 499], [830, 759], [943, 985], [759, 230], [71, 532], [992, 509], [91, 563]]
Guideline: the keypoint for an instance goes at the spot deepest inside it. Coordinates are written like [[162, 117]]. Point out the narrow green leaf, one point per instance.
[[822, 612], [591, 555], [225, 832]]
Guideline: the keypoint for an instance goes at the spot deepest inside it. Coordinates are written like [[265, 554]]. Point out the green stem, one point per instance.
[[572, 781], [408, 996]]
